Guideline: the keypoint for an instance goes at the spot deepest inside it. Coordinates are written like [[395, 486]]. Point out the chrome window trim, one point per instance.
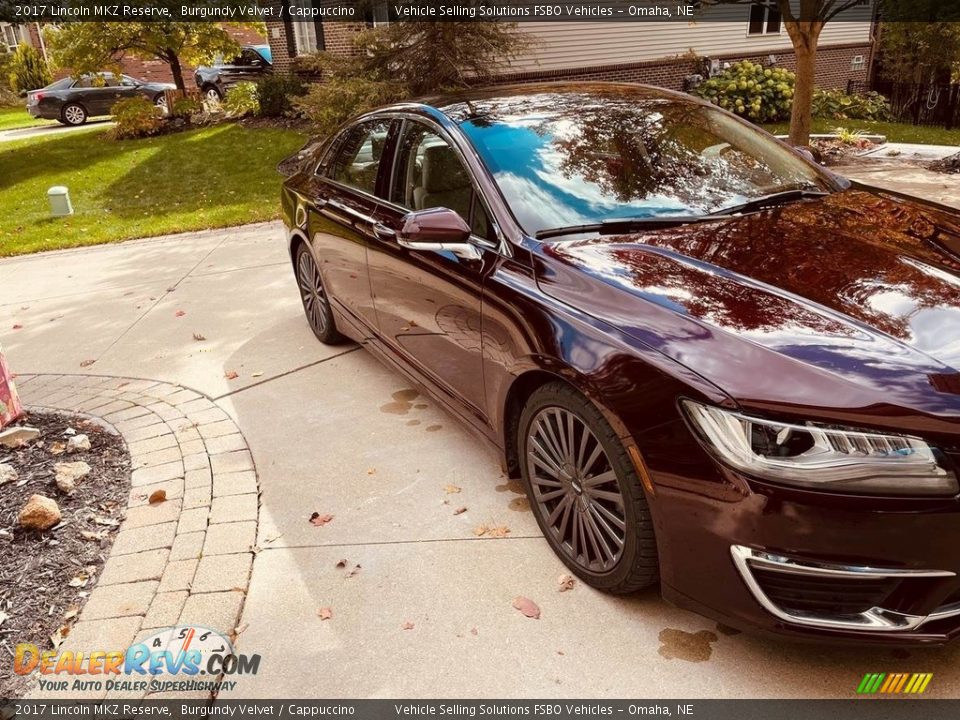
[[875, 619]]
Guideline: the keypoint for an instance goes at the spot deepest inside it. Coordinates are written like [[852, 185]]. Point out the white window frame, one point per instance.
[[13, 31], [766, 22]]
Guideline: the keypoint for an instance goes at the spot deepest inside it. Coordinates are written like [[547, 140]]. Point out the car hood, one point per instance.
[[850, 301]]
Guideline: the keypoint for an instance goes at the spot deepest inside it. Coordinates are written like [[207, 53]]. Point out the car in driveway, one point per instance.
[[73, 101], [252, 63], [717, 367]]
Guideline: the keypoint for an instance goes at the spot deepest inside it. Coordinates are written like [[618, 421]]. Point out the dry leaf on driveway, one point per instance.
[[325, 613], [341, 563], [527, 606], [231, 375], [320, 520], [180, 313], [499, 531], [407, 626], [451, 489], [87, 363], [480, 530], [198, 337], [566, 582], [460, 510], [157, 496], [18, 327]]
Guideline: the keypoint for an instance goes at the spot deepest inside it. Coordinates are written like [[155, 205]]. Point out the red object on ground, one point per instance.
[[10, 407]]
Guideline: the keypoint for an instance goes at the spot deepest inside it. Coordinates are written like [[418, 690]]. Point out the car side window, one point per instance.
[[429, 173], [358, 156]]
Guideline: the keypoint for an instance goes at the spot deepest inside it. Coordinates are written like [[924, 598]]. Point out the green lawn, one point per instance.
[[18, 117], [895, 132], [210, 177]]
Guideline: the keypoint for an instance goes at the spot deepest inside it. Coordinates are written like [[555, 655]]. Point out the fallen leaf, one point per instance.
[[180, 313], [566, 582], [341, 563], [499, 531], [157, 496], [353, 572], [320, 520], [527, 606], [109, 522], [87, 535], [3, 617], [198, 337], [372, 471], [451, 489], [474, 631], [71, 612], [58, 448], [480, 530], [87, 363], [18, 327], [231, 375], [257, 374], [325, 613], [407, 626], [460, 510], [80, 580]]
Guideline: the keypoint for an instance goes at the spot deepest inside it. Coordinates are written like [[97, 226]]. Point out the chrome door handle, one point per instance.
[[383, 232]]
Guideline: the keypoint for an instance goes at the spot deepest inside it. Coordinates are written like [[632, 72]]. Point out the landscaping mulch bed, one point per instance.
[[948, 165], [835, 152], [45, 577]]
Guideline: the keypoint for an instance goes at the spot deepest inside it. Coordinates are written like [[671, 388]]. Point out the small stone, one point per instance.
[[40, 513], [7, 473], [68, 474], [18, 436], [78, 443], [69, 431]]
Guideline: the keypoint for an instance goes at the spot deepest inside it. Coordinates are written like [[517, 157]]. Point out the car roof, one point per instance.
[[460, 106]]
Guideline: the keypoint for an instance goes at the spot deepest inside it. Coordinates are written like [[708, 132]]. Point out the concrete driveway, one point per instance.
[[422, 606], [44, 130]]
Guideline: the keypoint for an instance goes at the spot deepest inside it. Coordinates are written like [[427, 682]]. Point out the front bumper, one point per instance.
[[799, 563]]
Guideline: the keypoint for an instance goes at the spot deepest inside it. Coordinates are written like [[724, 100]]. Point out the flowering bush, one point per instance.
[[752, 91]]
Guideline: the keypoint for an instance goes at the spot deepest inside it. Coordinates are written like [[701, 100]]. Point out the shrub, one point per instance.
[[136, 117], [336, 100], [186, 107], [752, 91], [838, 105], [241, 100], [275, 94], [28, 70]]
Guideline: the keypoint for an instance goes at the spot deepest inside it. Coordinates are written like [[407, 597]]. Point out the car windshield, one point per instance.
[[581, 158]]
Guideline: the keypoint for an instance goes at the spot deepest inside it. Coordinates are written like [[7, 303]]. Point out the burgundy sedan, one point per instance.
[[717, 367]]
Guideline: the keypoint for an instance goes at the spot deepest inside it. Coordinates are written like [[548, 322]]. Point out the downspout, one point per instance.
[[43, 45]]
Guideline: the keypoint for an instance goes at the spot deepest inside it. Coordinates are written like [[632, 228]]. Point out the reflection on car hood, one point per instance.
[[860, 288]]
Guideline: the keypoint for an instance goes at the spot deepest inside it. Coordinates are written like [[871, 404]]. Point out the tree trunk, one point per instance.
[[805, 36], [174, 62]]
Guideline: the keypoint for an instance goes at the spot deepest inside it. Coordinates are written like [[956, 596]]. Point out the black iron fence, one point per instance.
[[918, 104]]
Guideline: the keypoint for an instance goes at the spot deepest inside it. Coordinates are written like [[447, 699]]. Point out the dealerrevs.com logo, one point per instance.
[[894, 683], [177, 659]]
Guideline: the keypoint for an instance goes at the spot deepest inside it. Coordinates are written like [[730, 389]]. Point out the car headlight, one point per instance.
[[823, 457]]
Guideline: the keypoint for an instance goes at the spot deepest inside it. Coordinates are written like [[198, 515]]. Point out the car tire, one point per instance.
[[161, 102], [585, 492], [316, 304], [212, 94], [73, 114]]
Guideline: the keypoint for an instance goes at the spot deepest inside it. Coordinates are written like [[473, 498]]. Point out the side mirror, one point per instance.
[[806, 152], [437, 230]]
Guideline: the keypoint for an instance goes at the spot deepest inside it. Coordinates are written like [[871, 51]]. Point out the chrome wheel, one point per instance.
[[161, 102], [212, 95], [74, 114], [575, 489], [311, 292]]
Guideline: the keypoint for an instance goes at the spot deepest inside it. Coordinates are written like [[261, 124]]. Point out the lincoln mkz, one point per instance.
[[717, 366]]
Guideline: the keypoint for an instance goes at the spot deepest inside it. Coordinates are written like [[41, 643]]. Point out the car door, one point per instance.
[[98, 93], [248, 66], [341, 217], [428, 303]]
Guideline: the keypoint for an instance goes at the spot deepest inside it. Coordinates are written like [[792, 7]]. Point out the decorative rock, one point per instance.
[[69, 473], [18, 436], [40, 513], [78, 443], [7, 473]]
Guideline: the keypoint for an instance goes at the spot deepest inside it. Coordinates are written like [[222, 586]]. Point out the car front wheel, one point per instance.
[[73, 114], [316, 304], [585, 492], [212, 94]]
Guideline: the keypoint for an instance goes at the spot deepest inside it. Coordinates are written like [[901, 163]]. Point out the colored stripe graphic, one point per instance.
[[894, 683]]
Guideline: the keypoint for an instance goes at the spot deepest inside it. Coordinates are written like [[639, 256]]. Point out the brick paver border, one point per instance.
[[186, 560]]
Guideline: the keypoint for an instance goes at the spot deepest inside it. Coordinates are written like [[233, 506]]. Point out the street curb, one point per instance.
[[186, 560]]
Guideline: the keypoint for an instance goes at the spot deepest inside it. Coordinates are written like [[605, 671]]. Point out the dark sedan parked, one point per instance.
[[714, 364], [73, 100], [253, 62]]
